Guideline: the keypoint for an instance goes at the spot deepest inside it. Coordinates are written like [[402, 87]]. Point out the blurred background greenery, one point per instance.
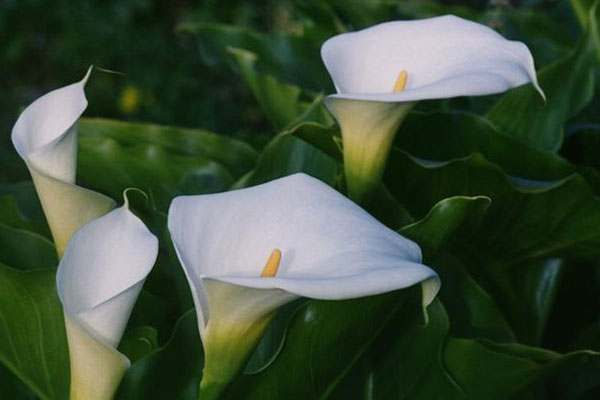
[[172, 77]]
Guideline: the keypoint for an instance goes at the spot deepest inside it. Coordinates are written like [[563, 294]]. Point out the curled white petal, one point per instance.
[[102, 272], [332, 249], [444, 57], [45, 136]]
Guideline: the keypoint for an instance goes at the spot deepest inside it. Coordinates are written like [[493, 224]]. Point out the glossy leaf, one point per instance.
[[459, 134], [281, 102], [324, 339], [526, 219], [285, 155], [474, 313], [406, 362], [234, 155], [32, 335], [442, 222], [569, 86]]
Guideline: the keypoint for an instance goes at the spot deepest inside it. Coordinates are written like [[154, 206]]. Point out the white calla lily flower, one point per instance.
[[380, 72], [99, 279], [247, 252], [45, 136]]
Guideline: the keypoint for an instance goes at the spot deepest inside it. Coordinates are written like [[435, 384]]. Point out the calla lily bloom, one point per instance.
[[45, 136], [247, 252], [98, 281], [380, 72]]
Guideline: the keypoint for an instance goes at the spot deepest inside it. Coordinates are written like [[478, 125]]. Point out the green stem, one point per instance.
[[211, 389]]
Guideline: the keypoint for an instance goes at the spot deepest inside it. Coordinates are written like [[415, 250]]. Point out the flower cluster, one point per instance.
[[245, 253]]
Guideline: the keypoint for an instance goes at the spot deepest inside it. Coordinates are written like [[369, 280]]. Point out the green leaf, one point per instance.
[[526, 219], [234, 155], [272, 341], [527, 222], [405, 362], [164, 161], [535, 286], [459, 134], [20, 208], [474, 313], [324, 339], [281, 102], [569, 86], [278, 100], [33, 343], [25, 249], [520, 371], [456, 134], [12, 388], [286, 155], [442, 221], [172, 372]]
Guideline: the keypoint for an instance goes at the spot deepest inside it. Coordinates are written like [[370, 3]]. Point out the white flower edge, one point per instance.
[[98, 281], [45, 136], [444, 57], [332, 249]]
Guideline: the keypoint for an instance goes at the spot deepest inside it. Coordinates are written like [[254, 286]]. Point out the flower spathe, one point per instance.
[[98, 281], [45, 136], [249, 251], [380, 72]]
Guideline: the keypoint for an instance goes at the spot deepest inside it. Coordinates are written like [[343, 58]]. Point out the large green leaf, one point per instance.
[[526, 219], [12, 388], [459, 134], [442, 221], [172, 372], [164, 161], [516, 371], [32, 335], [107, 166], [415, 361], [284, 104], [569, 86], [526, 222], [474, 313], [324, 339], [236, 156], [20, 208], [286, 155], [25, 249], [405, 362]]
